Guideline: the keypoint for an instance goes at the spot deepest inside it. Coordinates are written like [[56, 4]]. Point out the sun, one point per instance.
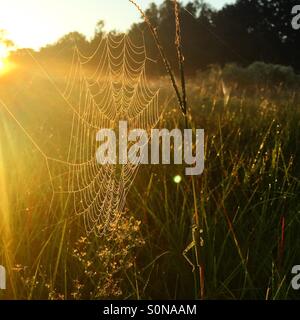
[[4, 52]]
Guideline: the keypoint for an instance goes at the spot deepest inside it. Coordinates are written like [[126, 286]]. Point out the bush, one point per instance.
[[260, 73]]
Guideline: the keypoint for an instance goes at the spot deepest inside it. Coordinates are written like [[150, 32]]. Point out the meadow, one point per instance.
[[247, 200]]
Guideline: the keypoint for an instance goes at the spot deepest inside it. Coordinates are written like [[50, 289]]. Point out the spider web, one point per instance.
[[102, 89], [117, 90]]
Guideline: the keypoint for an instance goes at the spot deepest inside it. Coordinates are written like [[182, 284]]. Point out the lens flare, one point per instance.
[[177, 179]]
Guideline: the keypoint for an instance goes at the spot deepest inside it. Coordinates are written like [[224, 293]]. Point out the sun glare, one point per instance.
[[3, 58]]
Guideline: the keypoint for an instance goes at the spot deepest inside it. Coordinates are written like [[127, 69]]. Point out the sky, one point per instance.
[[35, 23]]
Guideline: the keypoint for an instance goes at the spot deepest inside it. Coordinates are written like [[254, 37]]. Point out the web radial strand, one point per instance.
[[103, 88]]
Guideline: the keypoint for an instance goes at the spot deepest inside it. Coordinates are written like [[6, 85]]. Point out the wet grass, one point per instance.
[[247, 198]]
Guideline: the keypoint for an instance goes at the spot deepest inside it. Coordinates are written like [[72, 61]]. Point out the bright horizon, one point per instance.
[[35, 23]]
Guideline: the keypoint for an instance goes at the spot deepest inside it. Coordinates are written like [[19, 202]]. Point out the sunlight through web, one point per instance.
[[102, 89], [115, 90]]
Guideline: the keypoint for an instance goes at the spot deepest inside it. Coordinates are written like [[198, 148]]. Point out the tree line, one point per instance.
[[243, 32]]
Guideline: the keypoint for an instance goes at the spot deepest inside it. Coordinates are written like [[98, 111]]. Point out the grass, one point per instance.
[[248, 198]]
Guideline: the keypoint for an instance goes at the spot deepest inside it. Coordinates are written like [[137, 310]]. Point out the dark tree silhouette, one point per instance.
[[243, 32]]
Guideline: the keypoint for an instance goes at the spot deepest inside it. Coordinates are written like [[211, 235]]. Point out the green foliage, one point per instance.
[[260, 73], [250, 184], [247, 198]]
